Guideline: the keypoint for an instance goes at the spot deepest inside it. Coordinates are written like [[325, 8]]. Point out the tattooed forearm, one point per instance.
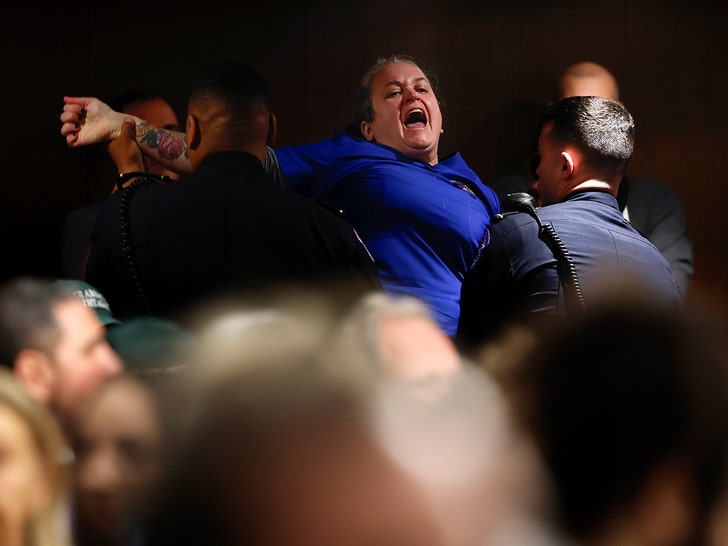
[[169, 145]]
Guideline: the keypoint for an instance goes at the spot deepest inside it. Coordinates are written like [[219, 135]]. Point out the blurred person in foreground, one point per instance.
[[118, 448], [274, 448], [624, 403], [55, 344], [396, 337], [33, 474]]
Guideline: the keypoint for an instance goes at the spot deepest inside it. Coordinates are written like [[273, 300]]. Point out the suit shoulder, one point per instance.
[[644, 188]]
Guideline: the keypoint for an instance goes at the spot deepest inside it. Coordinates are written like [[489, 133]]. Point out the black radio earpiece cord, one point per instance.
[[524, 202], [126, 194]]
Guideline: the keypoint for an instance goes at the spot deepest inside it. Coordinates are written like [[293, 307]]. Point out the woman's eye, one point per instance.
[[394, 93]]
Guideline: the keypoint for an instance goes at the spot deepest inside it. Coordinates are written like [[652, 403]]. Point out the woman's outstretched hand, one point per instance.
[[87, 120]]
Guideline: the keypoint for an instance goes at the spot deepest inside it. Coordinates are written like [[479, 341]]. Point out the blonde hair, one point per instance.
[[50, 526]]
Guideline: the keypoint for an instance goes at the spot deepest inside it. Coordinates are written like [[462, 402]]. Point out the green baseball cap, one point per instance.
[[92, 298]]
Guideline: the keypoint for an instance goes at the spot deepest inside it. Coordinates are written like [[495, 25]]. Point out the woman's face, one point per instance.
[[407, 116], [23, 485], [118, 437]]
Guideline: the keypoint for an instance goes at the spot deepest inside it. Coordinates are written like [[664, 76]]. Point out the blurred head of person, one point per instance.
[[150, 345], [117, 443], [395, 338], [273, 450], [624, 404], [33, 473], [587, 79], [55, 345], [275, 445]]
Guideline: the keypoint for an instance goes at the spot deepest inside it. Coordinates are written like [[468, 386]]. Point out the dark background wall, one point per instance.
[[496, 62]]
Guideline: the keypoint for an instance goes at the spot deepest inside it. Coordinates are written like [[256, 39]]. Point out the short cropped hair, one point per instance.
[[237, 96], [26, 316], [601, 127], [231, 82]]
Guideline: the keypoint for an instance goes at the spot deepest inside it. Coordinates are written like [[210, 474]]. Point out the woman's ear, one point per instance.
[[192, 132], [272, 129], [367, 130]]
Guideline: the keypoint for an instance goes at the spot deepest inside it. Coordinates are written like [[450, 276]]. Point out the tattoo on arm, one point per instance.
[[169, 145]]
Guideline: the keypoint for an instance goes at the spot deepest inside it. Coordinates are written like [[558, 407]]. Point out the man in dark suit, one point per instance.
[[160, 249], [655, 210], [584, 146]]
